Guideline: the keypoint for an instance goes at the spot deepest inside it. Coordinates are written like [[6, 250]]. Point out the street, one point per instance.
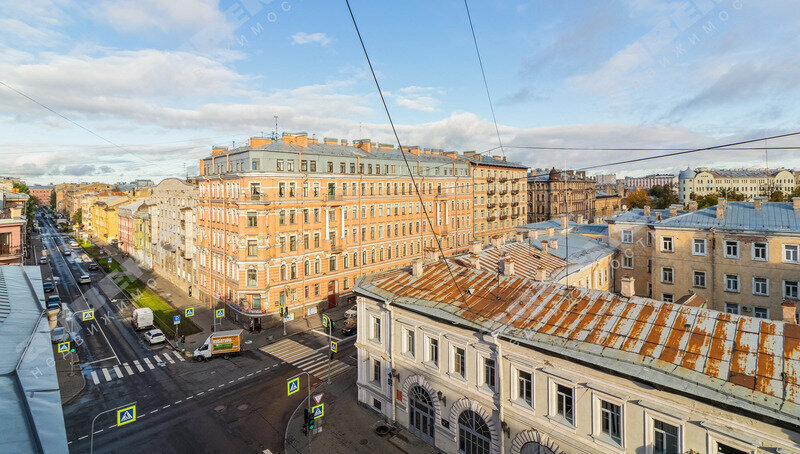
[[238, 404]]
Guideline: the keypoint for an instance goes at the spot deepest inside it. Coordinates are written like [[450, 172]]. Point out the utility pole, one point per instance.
[[91, 439], [308, 401], [327, 321]]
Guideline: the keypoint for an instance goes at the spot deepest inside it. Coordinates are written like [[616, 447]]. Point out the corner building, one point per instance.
[[294, 222]]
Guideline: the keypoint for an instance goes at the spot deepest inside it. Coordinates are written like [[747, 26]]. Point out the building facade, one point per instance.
[[748, 182], [128, 214], [647, 182], [293, 223], [606, 204], [553, 193], [13, 227], [549, 369], [173, 230], [500, 197], [42, 193]]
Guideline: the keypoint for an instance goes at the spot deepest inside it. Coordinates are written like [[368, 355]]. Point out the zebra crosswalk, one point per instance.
[[305, 358], [112, 373]]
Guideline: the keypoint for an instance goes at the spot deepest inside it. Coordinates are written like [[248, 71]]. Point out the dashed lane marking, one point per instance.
[[127, 368], [169, 358], [138, 366], [118, 372], [106, 374], [147, 361], [94, 378]]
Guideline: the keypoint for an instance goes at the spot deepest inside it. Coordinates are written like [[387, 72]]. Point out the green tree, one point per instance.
[[77, 217], [664, 196], [777, 196], [731, 195], [30, 207], [795, 193], [53, 199], [638, 199], [705, 201], [21, 187]]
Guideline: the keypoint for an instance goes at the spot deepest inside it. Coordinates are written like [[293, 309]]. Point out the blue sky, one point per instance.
[[166, 80]]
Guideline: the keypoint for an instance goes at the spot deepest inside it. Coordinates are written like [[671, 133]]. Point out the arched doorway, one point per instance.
[[533, 447], [421, 414], [474, 436]]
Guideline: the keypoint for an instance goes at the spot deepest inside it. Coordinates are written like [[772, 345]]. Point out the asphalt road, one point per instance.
[[233, 405]]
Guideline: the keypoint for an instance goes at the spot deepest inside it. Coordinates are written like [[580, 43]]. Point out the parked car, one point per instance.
[[59, 334], [53, 302], [93, 267], [67, 252], [85, 279], [48, 287], [154, 336], [352, 312], [43, 260], [349, 327], [74, 244]]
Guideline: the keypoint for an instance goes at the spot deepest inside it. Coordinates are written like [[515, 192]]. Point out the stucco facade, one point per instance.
[[172, 231]]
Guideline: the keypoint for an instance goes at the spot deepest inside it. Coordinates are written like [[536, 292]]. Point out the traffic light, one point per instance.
[[311, 422], [306, 419]]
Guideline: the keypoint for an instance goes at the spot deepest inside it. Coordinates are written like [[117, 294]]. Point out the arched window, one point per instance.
[[293, 271], [307, 268], [474, 436], [283, 272], [317, 266]]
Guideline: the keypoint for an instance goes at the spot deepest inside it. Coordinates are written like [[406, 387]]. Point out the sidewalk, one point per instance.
[[272, 330], [348, 427], [70, 385]]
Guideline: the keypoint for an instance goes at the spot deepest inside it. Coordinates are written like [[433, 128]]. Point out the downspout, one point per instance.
[[500, 395], [390, 344]]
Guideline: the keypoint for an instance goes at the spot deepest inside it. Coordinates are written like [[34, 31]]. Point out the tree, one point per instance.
[[705, 201], [30, 207], [21, 187], [53, 199], [731, 195], [795, 193], [638, 199], [77, 217], [664, 196], [776, 196]]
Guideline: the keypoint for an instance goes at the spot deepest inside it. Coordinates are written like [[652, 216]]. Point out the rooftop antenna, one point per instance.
[[276, 127]]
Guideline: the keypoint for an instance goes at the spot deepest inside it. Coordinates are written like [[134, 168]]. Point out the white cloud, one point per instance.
[[418, 98], [311, 38], [164, 16]]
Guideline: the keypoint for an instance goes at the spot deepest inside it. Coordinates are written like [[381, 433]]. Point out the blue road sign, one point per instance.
[[292, 386], [126, 415], [109, 260], [176, 319], [87, 315], [334, 346], [318, 411], [189, 312], [63, 347], [325, 321], [219, 313]]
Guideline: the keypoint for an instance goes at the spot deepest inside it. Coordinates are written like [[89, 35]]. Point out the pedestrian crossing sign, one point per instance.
[[318, 411], [219, 313], [126, 415], [189, 312], [325, 321], [292, 386], [87, 315], [334, 347], [63, 347]]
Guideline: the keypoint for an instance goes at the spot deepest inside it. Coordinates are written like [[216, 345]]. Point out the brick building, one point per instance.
[[553, 193]]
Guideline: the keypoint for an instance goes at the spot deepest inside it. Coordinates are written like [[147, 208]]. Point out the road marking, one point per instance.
[[178, 401], [138, 366], [82, 438], [154, 411], [240, 378], [210, 389], [94, 378], [165, 406], [147, 361], [190, 397], [200, 393], [156, 358], [98, 431], [169, 358], [119, 372], [180, 357], [99, 361], [230, 381], [127, 368], [326, 335], [106, 374], [250, 374], [112, 426], [306, 361]]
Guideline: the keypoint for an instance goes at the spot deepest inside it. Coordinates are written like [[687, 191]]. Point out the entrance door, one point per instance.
[[421, 414], [333, 291]]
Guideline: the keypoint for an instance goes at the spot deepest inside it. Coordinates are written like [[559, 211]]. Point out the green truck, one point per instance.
[[225, 343]]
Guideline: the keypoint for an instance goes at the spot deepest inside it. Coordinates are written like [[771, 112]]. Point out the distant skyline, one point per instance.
[[165, 81]]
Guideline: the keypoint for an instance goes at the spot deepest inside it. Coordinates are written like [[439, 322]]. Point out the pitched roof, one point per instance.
[[527, 259], [772, 217], [492, 161], [741, 173], [731, 360]]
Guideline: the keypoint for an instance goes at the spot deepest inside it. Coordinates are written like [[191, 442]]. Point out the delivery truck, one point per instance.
[[223, 343], [142, 318]]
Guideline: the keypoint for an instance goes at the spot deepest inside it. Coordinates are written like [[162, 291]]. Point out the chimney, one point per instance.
[[693, 205], [721, 201], [416, 267], [580, 219], [344, 142], [551, 231], [545, 246], [789, 310], [627, 286], [507, 266], [564, 221], [598, 219], [720, 211], [540, 274], [533, 234], [475, 247], [498, 240], [757, 202], [553, 243], [658, 216], [474, 261], [330, 141], [519, 237], [259, 141], [796, 203], [296, 138], [364, 144], [673, 211], [431, 255], [647, 210]]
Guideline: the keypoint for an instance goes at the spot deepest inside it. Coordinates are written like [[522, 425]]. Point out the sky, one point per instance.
[[115, 90]]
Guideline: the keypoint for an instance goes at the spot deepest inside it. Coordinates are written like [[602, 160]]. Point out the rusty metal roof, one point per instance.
[[749, 363], [527, 259]]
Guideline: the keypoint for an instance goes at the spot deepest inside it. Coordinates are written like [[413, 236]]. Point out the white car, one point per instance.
[[67, 252], [352, 312], [73, 244], [154, 336], [85, 279]]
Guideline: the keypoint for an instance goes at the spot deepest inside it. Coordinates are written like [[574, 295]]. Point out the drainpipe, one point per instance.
[[390, 345], [500, 395]]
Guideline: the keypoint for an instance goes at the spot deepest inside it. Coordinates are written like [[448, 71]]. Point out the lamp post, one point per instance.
[[91, 439]]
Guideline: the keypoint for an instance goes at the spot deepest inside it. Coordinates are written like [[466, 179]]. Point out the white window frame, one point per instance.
[[452, 366], [375, 336], [629, 265], [714, 438], [785, 294], [650, 418], [738, 283], [729, 306], [626, 236], [517, 398], [766, 251], [668, 297], [694, 279], [430, 362], [738, 249], [664, 241], [699, 241], [785, 248], [411, 353], [672, 275], [552, 402], [767, 286], [597, 422], [766, 316]]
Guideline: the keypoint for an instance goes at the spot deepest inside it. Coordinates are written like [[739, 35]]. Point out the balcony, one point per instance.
[[515, 191], [337, 247], [257, 198], [490, 179], [441, 195], [514, 203], [332, 199], [503, 217], [503, 179], [441, 229], [491, 205], [514, 215], [491, 192], [503, 204], [491, 218], [503, 191]]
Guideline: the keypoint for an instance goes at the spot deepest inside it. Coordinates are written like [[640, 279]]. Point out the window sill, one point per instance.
[[456, 377], [521, 404], [732, 291], [431, 365], [562, 422], [605, 440]]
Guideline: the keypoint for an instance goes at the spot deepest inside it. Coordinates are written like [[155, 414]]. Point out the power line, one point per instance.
[[483, 73], [403, 154]]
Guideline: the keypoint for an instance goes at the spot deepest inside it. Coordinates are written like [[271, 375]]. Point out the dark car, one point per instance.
[[349, 327], [48, 287], [93, 267], [54, 302]]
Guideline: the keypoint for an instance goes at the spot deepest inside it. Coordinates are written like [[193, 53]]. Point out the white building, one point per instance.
[[649, 181], [518, 366], [750, 182]]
